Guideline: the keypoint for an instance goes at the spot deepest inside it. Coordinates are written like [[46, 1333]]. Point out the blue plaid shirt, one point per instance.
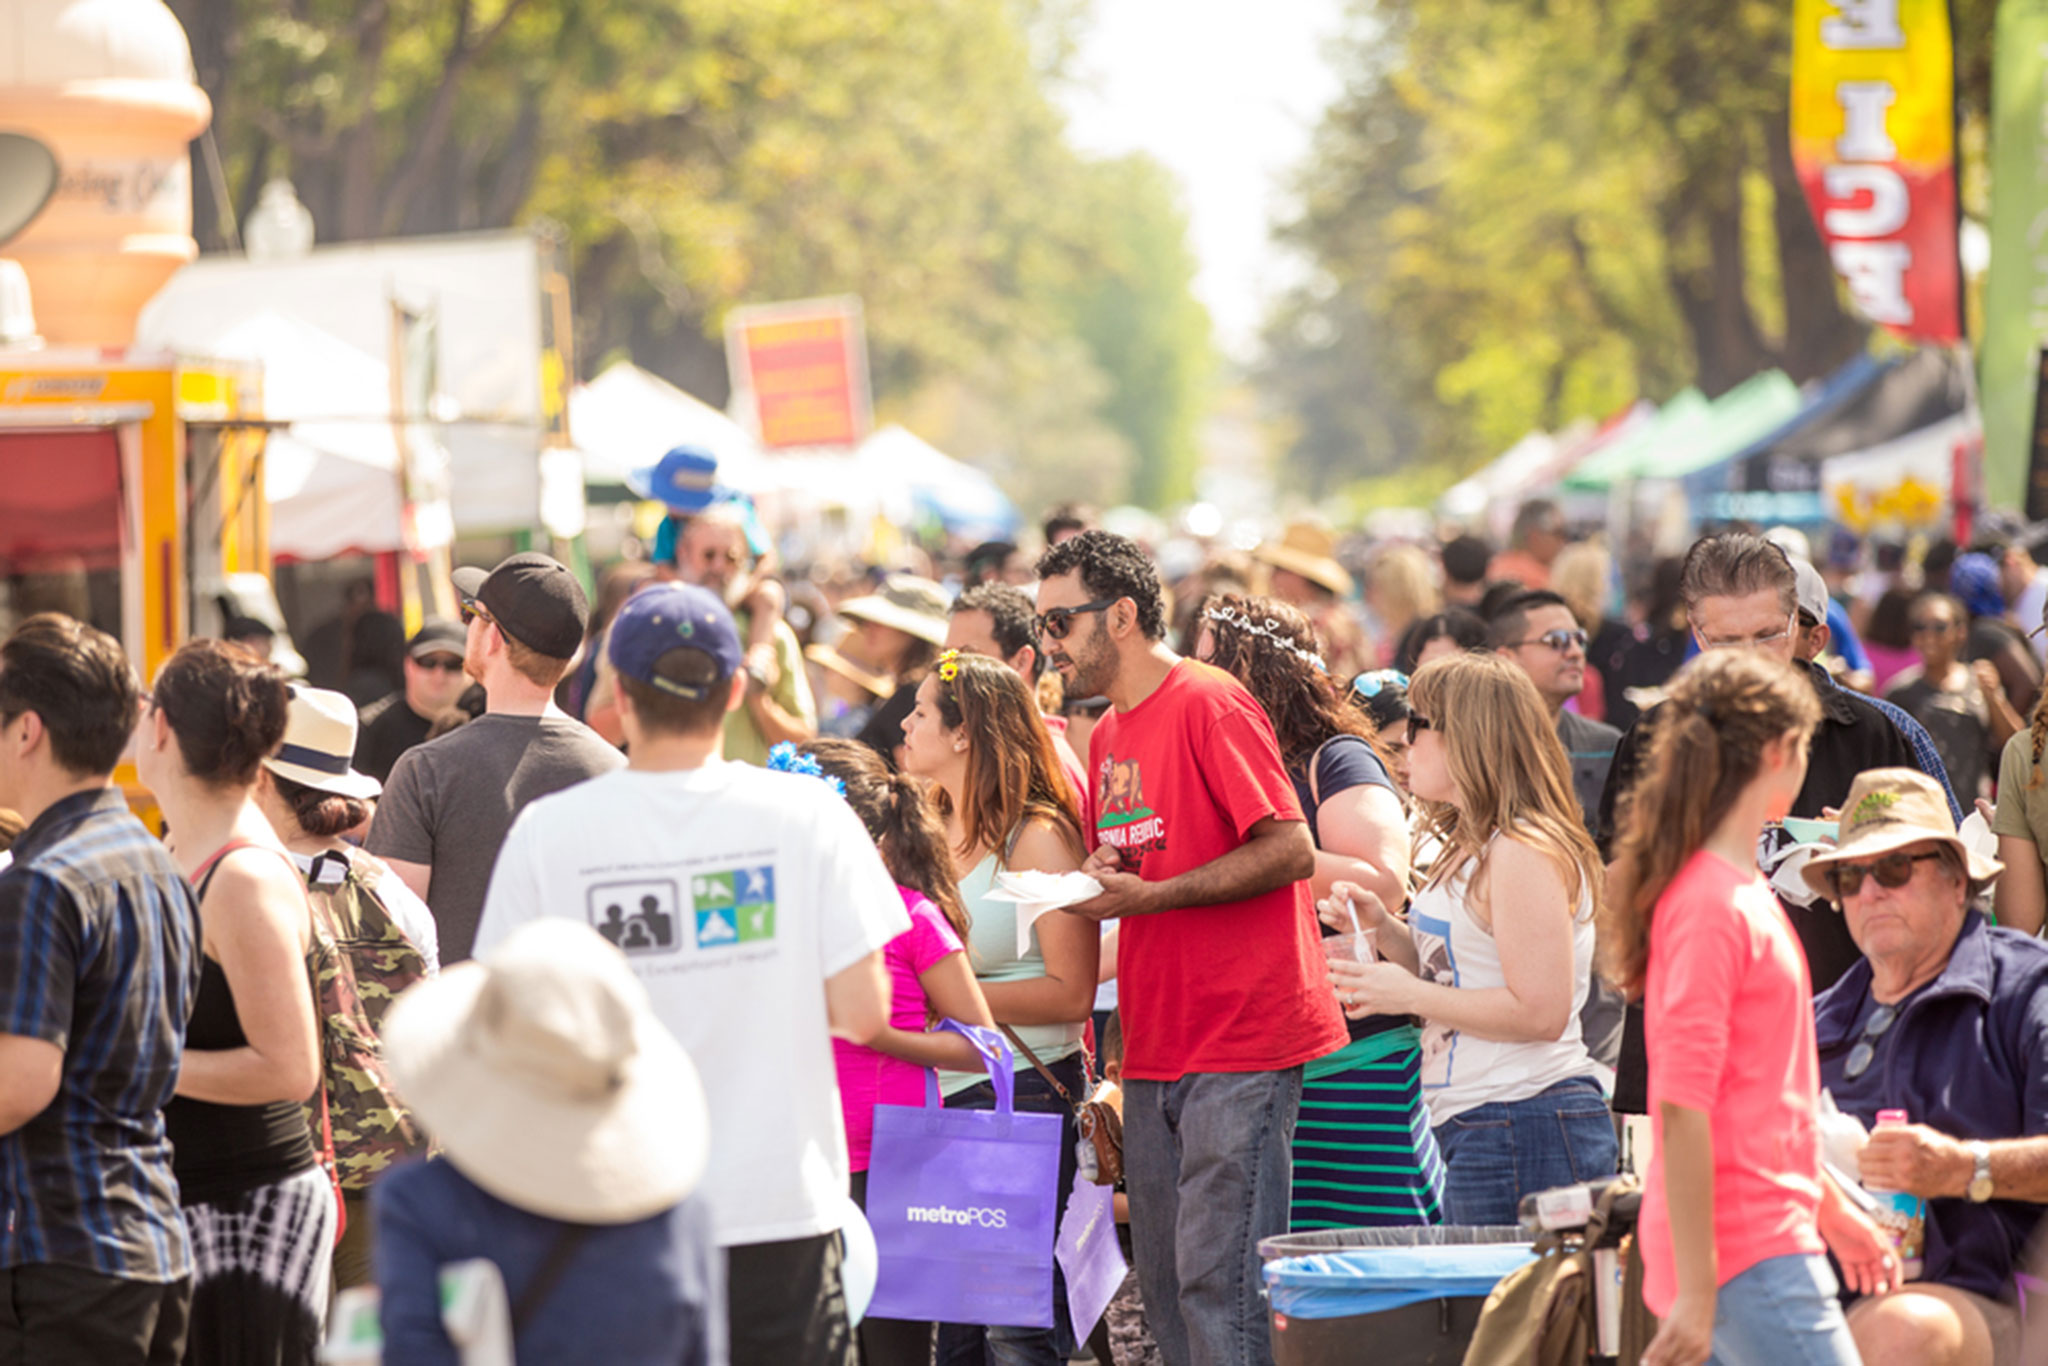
[[99, 955]]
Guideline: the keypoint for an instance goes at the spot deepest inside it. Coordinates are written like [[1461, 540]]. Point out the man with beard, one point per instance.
[[1204, 854], [712, 552], [450, 801]]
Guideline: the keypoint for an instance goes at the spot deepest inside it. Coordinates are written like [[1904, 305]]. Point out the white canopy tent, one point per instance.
[[627, 419], [331, 475]]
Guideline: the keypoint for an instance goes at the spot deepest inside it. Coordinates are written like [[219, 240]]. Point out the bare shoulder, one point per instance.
[[253, 887], [1045, 844]]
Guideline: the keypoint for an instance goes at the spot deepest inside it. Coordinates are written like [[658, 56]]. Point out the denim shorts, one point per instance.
[[1782, 1312], [1495, 1154]]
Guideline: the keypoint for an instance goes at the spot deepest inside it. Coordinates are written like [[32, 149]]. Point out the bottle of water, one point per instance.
[[1903, 1216]]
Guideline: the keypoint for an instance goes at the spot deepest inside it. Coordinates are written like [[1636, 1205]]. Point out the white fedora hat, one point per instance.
[[548, 1081], [319, 741]]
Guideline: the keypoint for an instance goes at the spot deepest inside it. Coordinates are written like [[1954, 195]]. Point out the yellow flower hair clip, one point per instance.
[[949, 666]]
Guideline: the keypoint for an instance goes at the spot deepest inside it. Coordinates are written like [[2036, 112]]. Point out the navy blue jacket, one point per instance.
[[1968, 1057]]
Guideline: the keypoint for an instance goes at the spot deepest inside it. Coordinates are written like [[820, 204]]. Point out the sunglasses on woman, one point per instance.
[[1893, 871], [1055, 624], [1416, 725]]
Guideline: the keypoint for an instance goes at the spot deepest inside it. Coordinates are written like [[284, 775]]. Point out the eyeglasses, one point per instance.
[[1865, 1051], [447, 664], [1893, 871], [1056, 623], [1378, 681], [1745, 642], [1416, 725], [1559, 640]]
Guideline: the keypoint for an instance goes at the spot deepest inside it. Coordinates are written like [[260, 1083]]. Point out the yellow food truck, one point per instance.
[[133, 495]]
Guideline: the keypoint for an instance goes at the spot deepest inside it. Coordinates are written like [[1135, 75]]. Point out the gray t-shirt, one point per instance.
[[450, 801]]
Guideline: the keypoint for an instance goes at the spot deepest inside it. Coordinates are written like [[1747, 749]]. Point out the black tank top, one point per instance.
[[221, 1151]]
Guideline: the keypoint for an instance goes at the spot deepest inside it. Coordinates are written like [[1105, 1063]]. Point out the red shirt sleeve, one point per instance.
[[1240, 759], [1699, 947]]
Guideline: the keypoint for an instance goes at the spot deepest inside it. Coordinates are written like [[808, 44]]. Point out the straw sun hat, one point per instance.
[[1887, 809], [319, 737], [913, 605], [549, 1082], [1308, 549]]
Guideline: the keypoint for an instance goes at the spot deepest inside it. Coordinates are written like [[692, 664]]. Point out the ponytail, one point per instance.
[[1706, 744]]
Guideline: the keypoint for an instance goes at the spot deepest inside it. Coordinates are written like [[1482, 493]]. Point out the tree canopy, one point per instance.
[[1027, 308], [1521, 212]]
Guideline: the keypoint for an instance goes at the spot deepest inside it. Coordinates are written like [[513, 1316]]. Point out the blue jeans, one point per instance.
[[968, 1344], [1208, 1160], [1782, 1312], [1497, 1153]]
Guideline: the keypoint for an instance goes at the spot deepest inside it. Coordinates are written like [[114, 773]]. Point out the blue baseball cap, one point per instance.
[[678, 638], [686, 479], [1973, 579]]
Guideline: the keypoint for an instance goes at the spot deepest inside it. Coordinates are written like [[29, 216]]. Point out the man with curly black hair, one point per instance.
[[1204, 854]]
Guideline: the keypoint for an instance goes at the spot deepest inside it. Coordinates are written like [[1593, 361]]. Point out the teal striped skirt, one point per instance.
[[1363, 1152]]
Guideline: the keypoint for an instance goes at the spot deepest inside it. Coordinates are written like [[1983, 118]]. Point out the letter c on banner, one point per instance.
[[1889, 204]]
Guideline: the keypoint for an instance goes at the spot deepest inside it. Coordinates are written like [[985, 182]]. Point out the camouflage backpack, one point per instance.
[[361, 960]]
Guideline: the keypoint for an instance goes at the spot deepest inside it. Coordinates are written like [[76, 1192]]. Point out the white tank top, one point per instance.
[[1460, 1070]]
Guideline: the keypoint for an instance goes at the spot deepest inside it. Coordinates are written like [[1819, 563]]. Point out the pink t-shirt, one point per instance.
[[868, 1078], [1728, 1023]]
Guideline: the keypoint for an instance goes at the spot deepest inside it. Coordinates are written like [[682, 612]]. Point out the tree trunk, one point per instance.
[[1704, 223], [1819, 333]]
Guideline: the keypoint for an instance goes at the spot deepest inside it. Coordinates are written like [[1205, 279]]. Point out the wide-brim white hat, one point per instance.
[[319, 742], [548, 1081]]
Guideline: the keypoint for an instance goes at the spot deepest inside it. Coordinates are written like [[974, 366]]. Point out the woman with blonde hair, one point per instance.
[[1504, 932], [1583, 576], [1737, 1209], [1400, 590], [976, 736]]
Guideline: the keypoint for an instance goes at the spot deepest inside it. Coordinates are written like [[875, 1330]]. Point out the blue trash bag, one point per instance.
[[1398, 1267]]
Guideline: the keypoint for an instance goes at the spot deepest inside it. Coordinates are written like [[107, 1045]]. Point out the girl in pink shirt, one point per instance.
[[1737, 1215], [929, 978]]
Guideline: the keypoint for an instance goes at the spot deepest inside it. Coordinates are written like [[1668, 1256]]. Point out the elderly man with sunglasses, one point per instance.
[[1945, 1018]]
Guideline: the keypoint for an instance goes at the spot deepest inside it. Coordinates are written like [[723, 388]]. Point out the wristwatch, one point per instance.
[[1980, 1179]]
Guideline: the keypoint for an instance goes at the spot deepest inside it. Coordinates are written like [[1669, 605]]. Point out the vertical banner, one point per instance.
[[2016, 291], [800, 372], [1873, 137]]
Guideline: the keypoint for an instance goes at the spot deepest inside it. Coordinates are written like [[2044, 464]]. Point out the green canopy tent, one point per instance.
[[1692, 432]]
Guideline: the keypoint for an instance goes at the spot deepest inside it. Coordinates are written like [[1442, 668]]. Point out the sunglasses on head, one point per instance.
[[1378, 681], [1892, 870], [1055, 624]]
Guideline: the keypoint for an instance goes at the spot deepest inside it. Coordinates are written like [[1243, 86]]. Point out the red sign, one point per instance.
[[801, 370], [1873, 137]]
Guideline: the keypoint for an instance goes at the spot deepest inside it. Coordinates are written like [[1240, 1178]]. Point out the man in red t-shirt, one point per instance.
[[1204, 855]]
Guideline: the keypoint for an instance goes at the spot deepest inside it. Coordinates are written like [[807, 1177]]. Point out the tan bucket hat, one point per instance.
[[1308, 549], [915, 606], [1887, 809], [549, 1082]]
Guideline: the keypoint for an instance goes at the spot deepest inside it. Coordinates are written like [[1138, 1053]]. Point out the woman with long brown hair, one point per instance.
[[1736, 1210], [261, 1210], [976, 737], [928, 977], [1354, 1097], [1504, 932]]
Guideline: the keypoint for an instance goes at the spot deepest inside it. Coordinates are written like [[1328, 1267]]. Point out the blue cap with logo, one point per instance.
[[678, 638]]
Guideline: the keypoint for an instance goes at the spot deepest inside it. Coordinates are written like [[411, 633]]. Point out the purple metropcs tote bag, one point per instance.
[[963, 1204]]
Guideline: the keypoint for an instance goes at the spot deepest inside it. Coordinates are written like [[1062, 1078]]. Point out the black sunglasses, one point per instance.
[[472, 609], [1893, 871], [1865, 1051], [447, 664], [1416, 725], [1056, 623]]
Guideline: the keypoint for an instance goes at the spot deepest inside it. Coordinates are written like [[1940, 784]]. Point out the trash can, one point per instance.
[[1395, 1296]]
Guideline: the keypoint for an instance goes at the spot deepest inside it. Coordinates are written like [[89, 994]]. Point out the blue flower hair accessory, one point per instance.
[[787, 758]]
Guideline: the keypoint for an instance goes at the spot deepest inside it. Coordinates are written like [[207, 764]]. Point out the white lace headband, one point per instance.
[[1269, 629]]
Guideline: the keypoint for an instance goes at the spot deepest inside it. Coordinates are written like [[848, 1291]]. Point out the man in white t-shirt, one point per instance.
[[754, 907]]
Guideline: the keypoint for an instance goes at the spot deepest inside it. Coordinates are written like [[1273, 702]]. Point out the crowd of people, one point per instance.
[[586, 943]]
